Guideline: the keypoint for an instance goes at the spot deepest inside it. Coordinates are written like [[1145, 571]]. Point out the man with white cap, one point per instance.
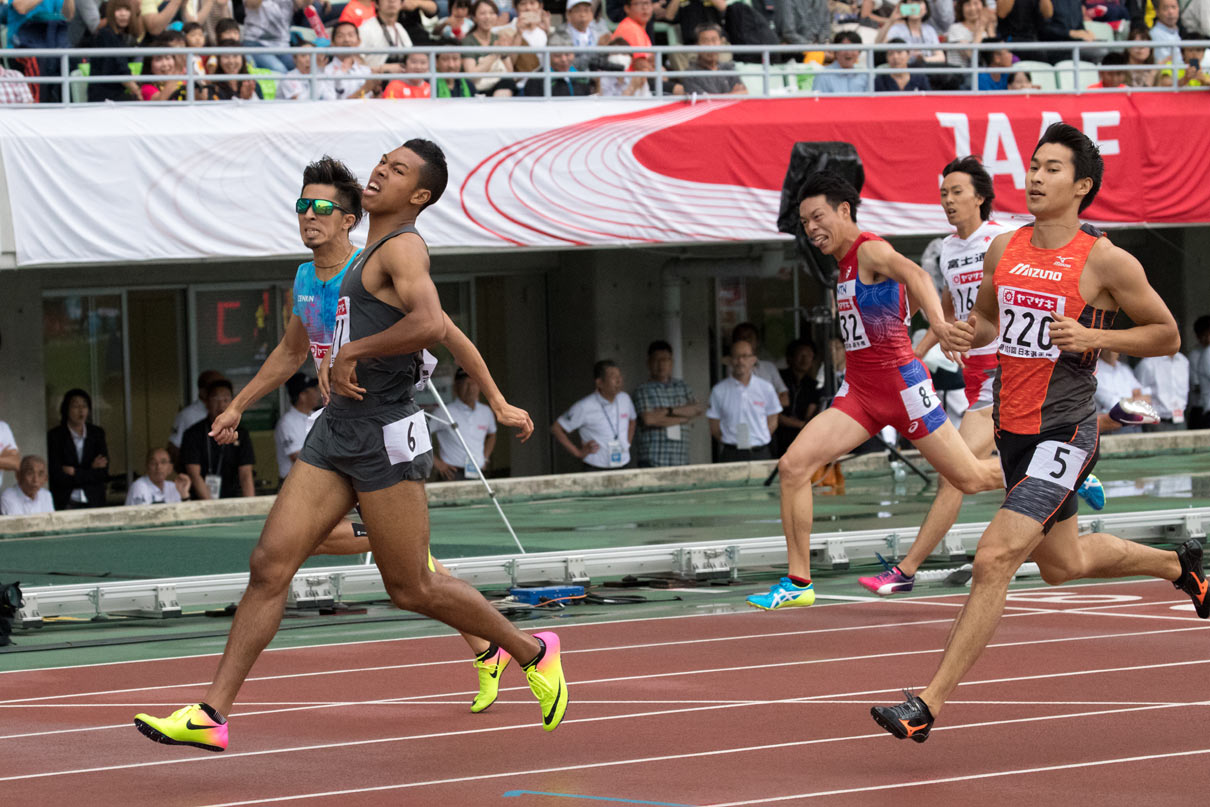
[[584, 29]]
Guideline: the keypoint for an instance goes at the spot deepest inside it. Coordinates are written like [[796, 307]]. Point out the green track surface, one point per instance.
[[871, 502]]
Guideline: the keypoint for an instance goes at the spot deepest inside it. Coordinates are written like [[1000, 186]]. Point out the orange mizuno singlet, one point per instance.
[[1039, 386]]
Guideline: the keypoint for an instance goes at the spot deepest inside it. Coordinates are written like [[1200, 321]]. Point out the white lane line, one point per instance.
[[657, 713], [585, 701], [965, 778], [666, 758], [623, 679], [549, 623]]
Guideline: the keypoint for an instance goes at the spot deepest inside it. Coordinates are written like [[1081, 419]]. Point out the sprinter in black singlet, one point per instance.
[[369, 447]]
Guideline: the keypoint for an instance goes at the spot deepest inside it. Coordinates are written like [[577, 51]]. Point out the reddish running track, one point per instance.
[[1089, 695]]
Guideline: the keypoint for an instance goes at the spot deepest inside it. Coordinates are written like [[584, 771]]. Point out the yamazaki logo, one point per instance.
[[1043, 302], [969, 277], [320, 351]]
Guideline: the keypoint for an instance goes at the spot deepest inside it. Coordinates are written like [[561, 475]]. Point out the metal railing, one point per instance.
[[766, 78]]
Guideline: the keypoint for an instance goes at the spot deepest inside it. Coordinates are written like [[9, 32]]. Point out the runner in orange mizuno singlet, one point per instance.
[[1049, 304], [885, 384]]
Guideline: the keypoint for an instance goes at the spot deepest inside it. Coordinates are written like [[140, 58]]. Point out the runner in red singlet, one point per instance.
[[1049, 304], [885, 384]]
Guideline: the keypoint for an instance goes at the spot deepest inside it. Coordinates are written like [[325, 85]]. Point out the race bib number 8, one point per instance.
[[852, 329], [919, 399], [340, 335], [1056, 462], [1025, 318], [406, 439]]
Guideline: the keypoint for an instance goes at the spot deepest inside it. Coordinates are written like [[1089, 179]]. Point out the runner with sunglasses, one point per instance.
[[329, 208]]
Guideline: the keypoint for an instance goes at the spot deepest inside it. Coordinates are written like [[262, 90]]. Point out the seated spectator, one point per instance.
[[227, 35], [449, 62], [913, 29], [413, 19], [637, 86], [153, 486], [633, 28], [1117, 382], [1111, 73], [799, 377], [1140, 55], [291, 430], [585, 31], [1191, 75], [605, 421], [40, 24], [161, 65], [77, 455], [415, 66], [894, 76], [29, 495], [560, 62], [532, 27], [1166, 380], [843, 75], [195, 39], [15, 92], [1166, 29], [476, 424], [975, 22], [267, 25], [1001, 59], [218, 472], [459, 23], [358, 85], [385, 31], [485, 13], [245, 89], [726, 83], [296, 86], [1022, 80], [123, 28], [1022, 20], [743, 410]]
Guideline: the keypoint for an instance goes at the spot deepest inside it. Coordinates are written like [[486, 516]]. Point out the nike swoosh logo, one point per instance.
[[913, 729], [191, 726], [495, 671], [549, 716]]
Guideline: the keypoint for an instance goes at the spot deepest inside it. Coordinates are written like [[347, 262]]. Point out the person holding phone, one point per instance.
[[909, 22]]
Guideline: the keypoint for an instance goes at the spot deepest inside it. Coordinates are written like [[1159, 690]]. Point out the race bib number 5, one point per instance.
[[852, 329], [1025, 318], [340, 335], [1058, 463], [406, 439]]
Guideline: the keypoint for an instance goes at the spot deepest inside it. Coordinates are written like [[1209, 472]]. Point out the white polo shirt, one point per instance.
[[14, 502], [144, 491], [474, 425], [1166, 379], [289, 436], [602, 421], [768, 371], [732, 403], [188, 416], [1114, 382]]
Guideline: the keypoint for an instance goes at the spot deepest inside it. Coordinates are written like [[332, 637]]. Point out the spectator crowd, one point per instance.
[[399, 26]]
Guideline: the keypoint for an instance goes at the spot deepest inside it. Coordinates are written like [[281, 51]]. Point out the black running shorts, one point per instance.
[[374, 450], [1043, 471]]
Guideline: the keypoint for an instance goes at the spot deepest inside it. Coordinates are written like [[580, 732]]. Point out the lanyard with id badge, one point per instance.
[[614, 448], [214, 481]]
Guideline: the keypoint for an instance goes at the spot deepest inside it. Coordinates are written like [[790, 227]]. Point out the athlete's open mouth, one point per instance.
[[372, 188]]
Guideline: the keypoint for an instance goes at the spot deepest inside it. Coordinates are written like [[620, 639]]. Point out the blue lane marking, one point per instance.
[[512, 793]]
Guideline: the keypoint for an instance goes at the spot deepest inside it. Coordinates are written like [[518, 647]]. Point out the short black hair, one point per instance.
[[475, 6], [598, 369], [741, 328], [656, 346], [833, 188], [980, 180], [435, 174], [225, 26], [66, 403], [1085, 156], [985, 56], [795, 346], [352, 25], [190, 27], [849, 37], [1115, 57], [331, 171], [217, 384], [166, 39], [1201, 325]]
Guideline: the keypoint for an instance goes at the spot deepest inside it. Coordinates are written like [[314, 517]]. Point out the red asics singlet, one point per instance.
[[873, 319]]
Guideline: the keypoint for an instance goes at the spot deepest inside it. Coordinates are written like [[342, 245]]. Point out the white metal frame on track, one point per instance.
[[318, 587]]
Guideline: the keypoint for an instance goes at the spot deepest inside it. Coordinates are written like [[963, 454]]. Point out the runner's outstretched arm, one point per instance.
[[470, 359], [282, 363]]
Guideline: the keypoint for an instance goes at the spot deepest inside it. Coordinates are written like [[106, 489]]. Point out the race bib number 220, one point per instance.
[[1025, 318]]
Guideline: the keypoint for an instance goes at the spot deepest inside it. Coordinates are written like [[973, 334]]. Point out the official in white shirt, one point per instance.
[[1166, 380], [153, 487], [746, 332], [291, 431], [1117, 382], [29, 495], [191, 414], [476, 424], [743, 409], [605, 421]]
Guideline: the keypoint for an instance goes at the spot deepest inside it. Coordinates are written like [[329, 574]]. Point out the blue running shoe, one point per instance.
[[784, 594], [1093, 492]]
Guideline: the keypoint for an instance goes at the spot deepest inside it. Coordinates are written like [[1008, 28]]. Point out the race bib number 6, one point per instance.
[[852, 329], [1025, 318], [406, 439]]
